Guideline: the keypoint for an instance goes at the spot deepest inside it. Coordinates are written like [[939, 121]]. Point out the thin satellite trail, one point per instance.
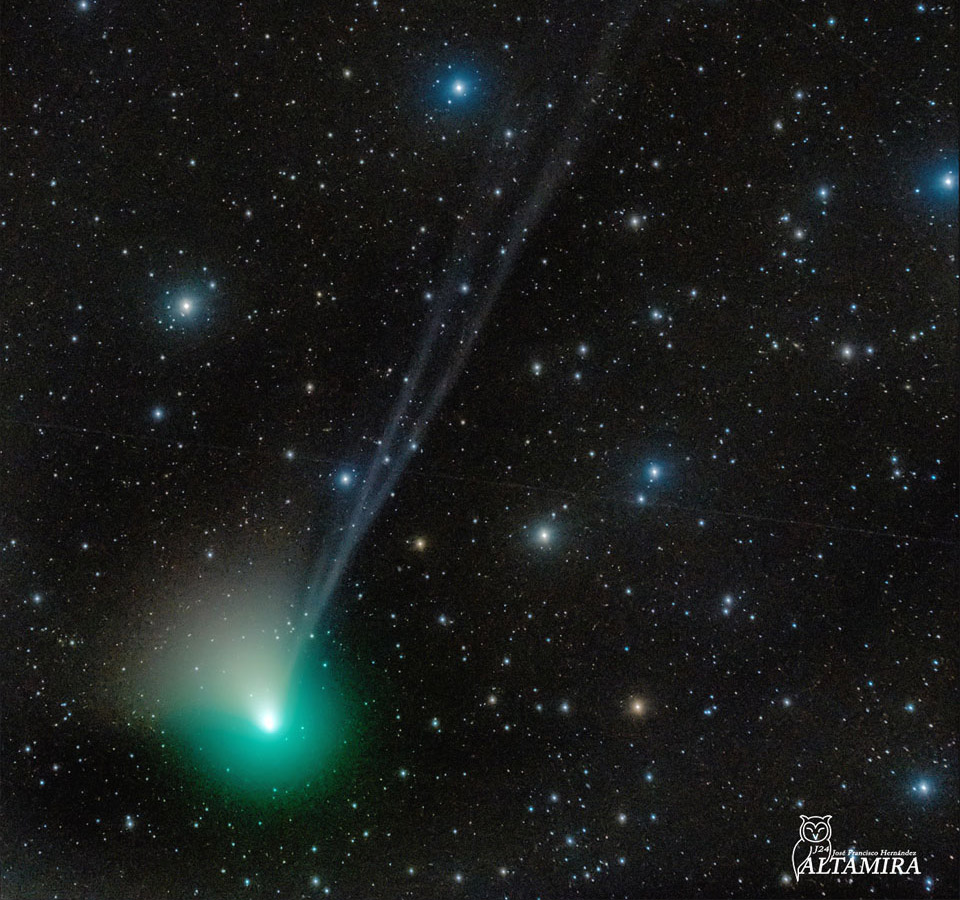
[[505, 484]]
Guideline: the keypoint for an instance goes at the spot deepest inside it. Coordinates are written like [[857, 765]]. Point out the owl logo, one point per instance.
[[814, 843]]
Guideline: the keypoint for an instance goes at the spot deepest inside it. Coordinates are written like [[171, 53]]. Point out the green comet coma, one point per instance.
[[300, 738]]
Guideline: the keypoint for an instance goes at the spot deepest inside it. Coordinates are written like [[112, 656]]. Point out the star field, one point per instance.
[[482, 450]]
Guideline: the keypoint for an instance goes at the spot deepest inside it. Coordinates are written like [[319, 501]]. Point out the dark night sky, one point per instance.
[[657, 552]]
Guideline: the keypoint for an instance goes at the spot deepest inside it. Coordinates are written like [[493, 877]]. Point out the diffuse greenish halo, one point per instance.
[[305, 740]]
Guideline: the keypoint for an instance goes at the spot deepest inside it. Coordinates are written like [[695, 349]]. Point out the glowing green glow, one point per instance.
[[250, 711], [265, 748]]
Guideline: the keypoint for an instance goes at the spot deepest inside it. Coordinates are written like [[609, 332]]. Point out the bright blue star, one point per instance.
[[939, 182], [457, 90], [457, 87], [543, 536], [922, 788], [187, 306]]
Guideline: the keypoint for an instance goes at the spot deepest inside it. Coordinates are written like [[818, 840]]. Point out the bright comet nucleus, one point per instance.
[[268, 721]]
